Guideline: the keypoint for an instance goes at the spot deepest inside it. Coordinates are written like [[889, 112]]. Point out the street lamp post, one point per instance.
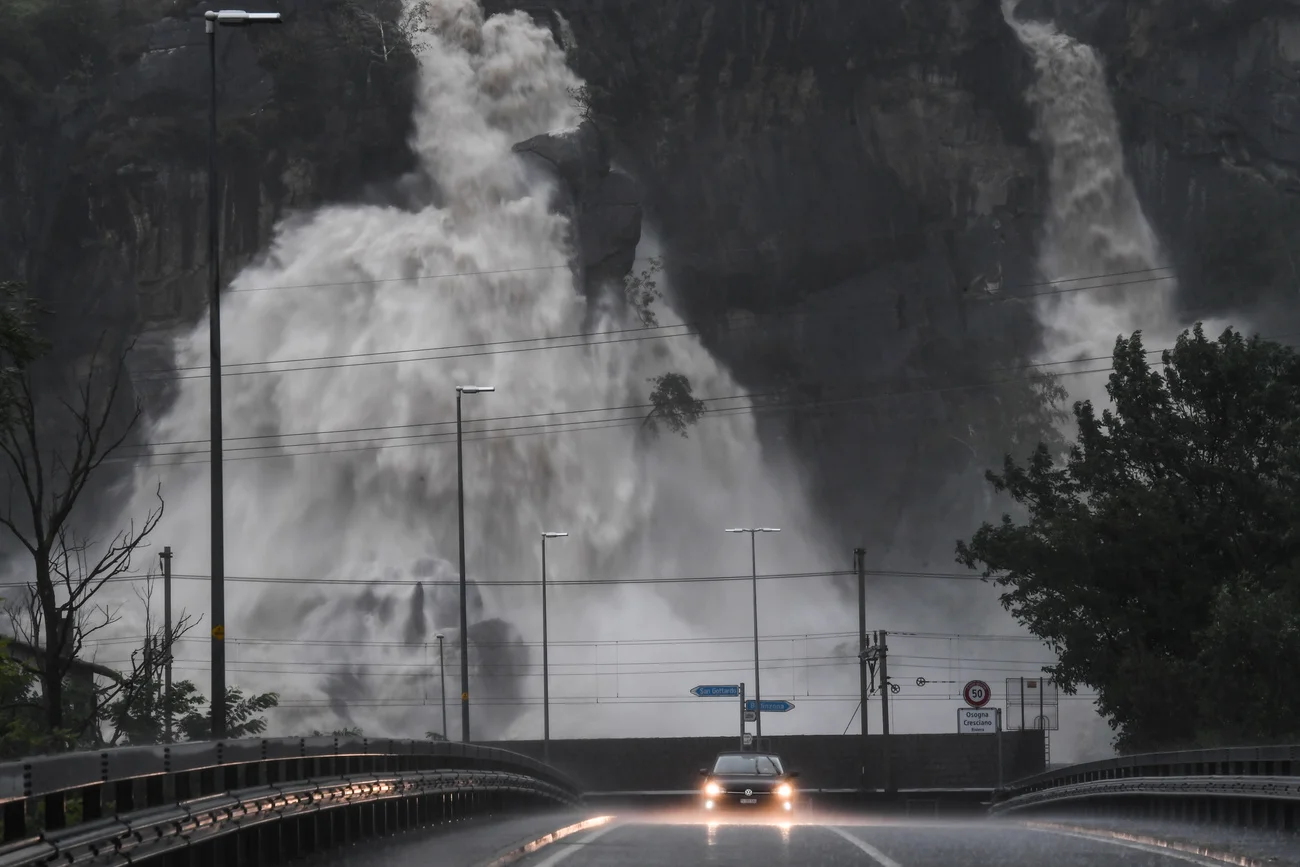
[[212, 20], [753, 562], [460, 514], [546, 670], [442, 685]]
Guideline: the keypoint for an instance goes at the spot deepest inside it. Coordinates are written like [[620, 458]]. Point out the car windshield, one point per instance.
[[764, 765]]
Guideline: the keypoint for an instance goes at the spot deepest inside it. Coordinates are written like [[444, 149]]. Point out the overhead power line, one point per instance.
[[550, 582], [581, 339], [562, 266], [591, 643], [479, 433]]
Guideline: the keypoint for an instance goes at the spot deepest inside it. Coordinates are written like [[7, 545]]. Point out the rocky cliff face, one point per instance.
[[103, 162], [836, 182], [843, 178]]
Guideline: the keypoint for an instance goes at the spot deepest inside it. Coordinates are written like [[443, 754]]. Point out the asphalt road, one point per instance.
[[628, 842]]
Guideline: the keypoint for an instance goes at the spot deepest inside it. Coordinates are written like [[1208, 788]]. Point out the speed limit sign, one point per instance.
[[976, 693]]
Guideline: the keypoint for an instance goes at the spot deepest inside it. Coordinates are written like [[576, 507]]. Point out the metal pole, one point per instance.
[[442, 687], [218, 577], [166, 558], [859, 562], [546, 671], [884, 708], [742, 716], [464, 615], [997, 716], [758, 691]]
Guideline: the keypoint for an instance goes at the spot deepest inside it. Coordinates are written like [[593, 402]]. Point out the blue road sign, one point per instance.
[[776, 706], [717, 692]]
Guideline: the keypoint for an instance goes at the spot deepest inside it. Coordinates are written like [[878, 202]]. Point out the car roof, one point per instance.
[[747, 753]]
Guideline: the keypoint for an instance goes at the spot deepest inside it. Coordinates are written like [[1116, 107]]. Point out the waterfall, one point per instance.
[[345, 287], [1107, 272]]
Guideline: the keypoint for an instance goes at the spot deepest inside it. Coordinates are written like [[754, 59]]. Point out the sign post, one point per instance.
[[997, 712], [742, 716], [725, 690]]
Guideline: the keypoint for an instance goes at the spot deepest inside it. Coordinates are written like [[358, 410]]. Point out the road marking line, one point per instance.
[[1182, 851], [872, 852], [533, 845], [561, 854]]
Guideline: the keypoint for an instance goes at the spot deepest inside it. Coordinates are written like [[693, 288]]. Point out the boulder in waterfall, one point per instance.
[[603, 203]]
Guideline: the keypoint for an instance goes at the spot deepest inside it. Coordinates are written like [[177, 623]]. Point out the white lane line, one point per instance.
[[872, 852], [560, 854], [1201, 856], [533, 845]]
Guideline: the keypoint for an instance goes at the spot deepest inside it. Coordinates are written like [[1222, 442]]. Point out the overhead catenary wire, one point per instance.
[[602, 669], [585, 339], [551, 582], [584, 643], [560, 266], [283, 451]]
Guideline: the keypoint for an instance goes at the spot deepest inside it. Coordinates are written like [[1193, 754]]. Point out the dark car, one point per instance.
[[749, 781]]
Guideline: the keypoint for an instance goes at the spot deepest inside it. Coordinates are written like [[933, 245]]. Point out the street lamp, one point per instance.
[[460, 513], [753, 561], [442, 685], [213, 19], [546, 670]]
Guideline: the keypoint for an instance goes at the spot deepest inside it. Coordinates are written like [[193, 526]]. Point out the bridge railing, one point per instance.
[[1237, 785], [62, 805]]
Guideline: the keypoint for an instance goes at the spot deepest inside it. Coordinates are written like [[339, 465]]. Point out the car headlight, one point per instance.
[[712, 789], [784, 790]]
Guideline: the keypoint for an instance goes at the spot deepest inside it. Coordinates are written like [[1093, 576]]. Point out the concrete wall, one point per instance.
[[934, 761]]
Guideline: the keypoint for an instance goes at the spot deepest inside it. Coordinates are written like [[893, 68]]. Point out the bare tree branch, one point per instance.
[[54, 460]]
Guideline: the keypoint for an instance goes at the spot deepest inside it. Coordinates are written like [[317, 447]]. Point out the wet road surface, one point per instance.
[[627, 842]]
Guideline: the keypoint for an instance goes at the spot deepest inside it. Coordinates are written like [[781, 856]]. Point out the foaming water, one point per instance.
[[1108, 271], [635, 507]]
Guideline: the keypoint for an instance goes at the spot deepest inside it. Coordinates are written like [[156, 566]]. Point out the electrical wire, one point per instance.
[[447, 275], [588, 643], [583, 339], [550, 582], [283, 450]]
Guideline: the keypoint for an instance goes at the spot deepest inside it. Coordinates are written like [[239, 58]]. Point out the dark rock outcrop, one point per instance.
[[845, 179], [853, 172], [604, 204]]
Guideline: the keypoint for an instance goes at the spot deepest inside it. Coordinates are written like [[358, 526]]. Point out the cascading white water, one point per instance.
[[634, 507], [1108, 273], [1099, 251]]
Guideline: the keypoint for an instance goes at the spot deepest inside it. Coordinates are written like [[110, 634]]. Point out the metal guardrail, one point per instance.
[[139, 802], [398, 802], [1257, 786]]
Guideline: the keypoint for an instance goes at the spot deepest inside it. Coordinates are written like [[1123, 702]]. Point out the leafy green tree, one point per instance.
[[345, 732], [673, 404], [1146, 553], [245, 713], [641, 291]]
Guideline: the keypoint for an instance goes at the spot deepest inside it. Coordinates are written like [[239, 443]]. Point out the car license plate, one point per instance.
[[749, 800]]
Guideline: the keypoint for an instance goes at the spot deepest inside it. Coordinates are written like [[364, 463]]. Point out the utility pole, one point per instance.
[[860, 564], [884, 707], [753, 565], [212, 19], [166, 558], [742, 716], [442, 686], [758, 694], [546, 665], [460, 522]]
